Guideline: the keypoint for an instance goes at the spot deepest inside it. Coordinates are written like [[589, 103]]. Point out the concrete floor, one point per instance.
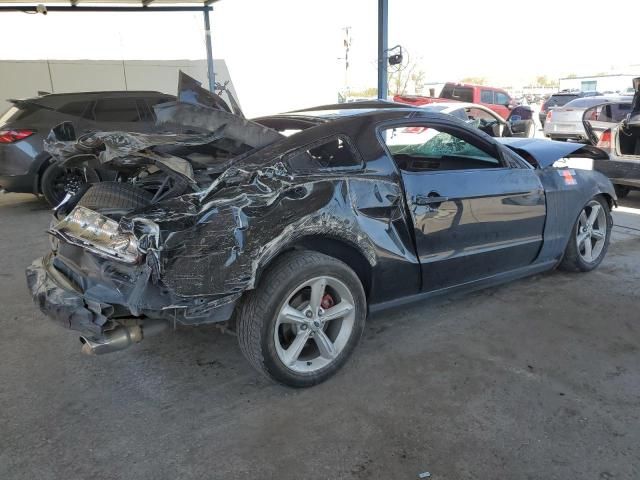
[[538, 379]]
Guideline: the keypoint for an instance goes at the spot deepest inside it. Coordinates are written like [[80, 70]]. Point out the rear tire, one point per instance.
[[589, 238], [278, 331], [57, 181]]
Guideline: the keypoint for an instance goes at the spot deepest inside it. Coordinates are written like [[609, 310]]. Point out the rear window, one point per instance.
[[559, 100], [463, 94], [584, 102]]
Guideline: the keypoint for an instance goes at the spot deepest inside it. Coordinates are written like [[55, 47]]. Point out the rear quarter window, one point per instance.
[[332, 155]]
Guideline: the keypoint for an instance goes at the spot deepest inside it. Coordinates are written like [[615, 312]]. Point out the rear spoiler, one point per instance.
[[29, 103]]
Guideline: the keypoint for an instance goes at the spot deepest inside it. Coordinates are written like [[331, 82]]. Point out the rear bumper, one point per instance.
[[99, 302], [57, 299], [18, 183]]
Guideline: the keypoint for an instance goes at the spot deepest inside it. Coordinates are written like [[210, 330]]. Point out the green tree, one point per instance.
[[400, 78], [475, 80], [544, 81]]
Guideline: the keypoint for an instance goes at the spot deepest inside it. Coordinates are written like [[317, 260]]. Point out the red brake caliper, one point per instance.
[[327, 302]]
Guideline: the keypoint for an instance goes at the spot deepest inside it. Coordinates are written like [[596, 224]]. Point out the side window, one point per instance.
[[501, 99], [116, 110], [478, 114], [146, 115], [434, 149], [460, 113], [486, 96], [76, 109], [329, 155], [463, 94]]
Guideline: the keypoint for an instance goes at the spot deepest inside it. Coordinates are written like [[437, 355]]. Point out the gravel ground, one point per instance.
[[537, 379]]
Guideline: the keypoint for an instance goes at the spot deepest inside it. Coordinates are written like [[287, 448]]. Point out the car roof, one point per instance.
[[56, 100]]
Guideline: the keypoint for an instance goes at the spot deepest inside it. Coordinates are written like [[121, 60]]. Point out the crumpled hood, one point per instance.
[[547, 152]]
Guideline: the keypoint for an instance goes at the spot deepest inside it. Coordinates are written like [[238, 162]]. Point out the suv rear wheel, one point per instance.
[[302, 322], [57, 181]]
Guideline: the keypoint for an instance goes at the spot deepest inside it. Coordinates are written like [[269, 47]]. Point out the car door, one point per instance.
[[474, 215], [602, 117]]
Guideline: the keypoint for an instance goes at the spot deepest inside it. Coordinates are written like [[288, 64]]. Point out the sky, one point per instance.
[[286, 54]]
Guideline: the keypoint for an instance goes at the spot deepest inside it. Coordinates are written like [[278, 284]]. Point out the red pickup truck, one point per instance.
[[494, 98]]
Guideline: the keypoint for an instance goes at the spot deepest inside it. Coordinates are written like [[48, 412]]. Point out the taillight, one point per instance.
[[605, 139], [549, 115], [11, 136]]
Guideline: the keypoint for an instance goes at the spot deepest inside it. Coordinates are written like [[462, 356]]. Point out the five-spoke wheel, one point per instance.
[[304, 319], [590, 237], [591, 233], [314, 324]]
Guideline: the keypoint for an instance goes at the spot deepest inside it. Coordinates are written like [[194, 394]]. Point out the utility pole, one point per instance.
[[383, 24], [347, 46]]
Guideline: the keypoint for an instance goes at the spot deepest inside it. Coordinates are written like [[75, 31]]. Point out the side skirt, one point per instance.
[[468, 286]]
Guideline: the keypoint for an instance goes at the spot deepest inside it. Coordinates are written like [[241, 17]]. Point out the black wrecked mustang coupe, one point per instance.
[[292, 228]]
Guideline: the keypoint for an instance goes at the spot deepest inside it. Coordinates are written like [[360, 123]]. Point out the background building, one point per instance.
[[24, 78], [615, 82]]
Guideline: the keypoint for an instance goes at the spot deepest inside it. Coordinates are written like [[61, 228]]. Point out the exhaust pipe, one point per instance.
[[121, 337]]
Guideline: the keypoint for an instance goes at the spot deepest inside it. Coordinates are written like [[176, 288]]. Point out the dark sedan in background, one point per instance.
[[24, 165]]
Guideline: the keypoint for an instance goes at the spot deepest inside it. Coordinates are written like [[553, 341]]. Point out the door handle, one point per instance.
[[433, 197]]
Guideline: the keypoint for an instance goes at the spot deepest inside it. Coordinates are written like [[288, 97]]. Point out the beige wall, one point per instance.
[[24, 78]]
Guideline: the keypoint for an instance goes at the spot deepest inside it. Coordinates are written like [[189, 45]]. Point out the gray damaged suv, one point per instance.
[[24, 165]]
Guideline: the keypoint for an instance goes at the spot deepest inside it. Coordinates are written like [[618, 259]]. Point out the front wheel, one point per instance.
[[301, 323], [590, 236]]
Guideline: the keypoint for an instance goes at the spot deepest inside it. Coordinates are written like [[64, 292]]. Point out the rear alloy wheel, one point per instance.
[[57, 182], [589, 238], [303, 321]]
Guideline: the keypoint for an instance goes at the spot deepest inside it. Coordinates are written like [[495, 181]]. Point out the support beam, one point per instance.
[[82, 8], [207, 38], [383, 24]]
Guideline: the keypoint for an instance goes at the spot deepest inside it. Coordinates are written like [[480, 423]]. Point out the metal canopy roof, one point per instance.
[[97, 6]]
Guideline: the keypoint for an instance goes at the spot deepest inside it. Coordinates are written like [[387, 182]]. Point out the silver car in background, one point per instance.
[[565, 123], [615, 128]]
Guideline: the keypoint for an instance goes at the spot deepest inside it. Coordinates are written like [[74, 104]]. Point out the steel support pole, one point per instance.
[[207, 37], [383, 23]]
